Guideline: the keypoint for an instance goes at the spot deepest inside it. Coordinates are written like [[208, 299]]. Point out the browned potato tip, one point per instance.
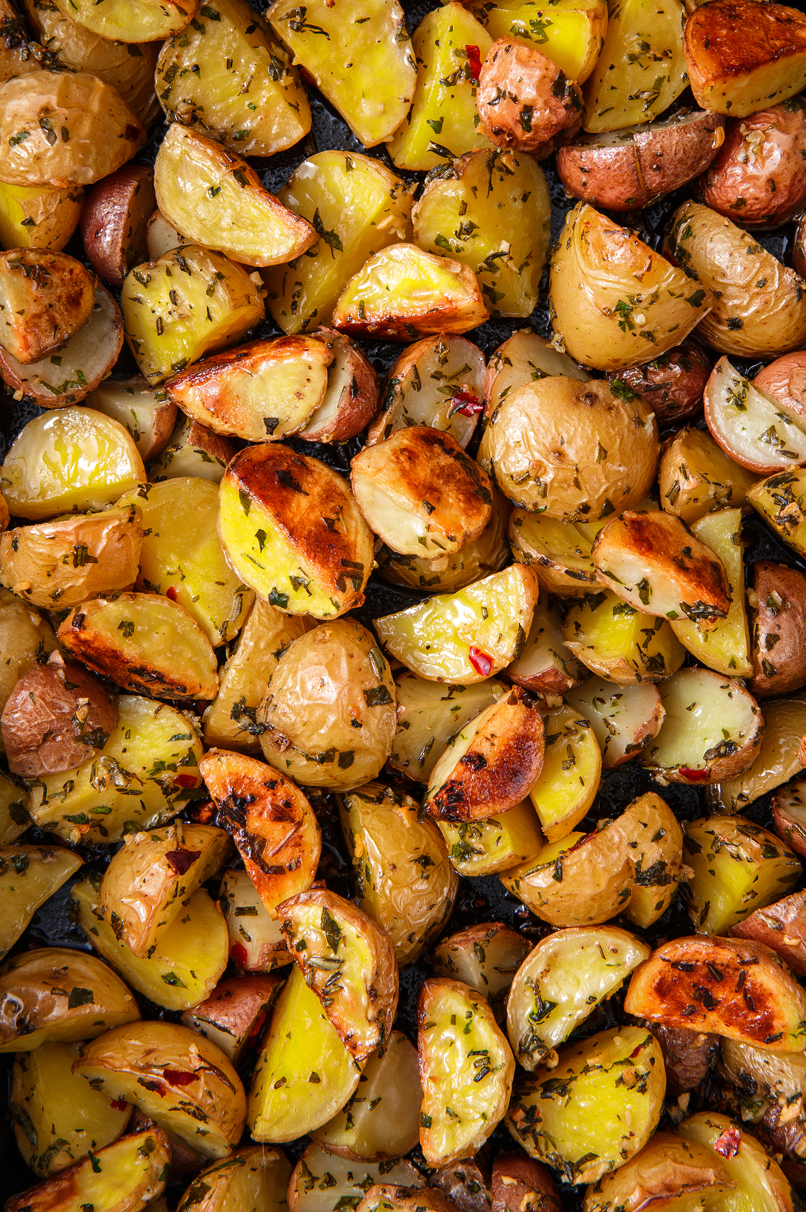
[[688, 1055], [45, 298], [56, 718], [525, 100], [782, 927], [521, 1182], [785, 380], [671, 385], [234, 1014], [114, 221], [778, 600]]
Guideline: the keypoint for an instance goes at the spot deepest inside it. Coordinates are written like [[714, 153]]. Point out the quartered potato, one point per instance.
[[568, 782], [730, 987], [323, 1182], [546, 666], [558, 551], [596, 1108], [29, 876], [254, 1177], [497, 843], [467, 636], [525, 101], [148, 414], [403, 877], [569, 32], [777, 761], [562, 981], [44, 299], [780, 501], [193, 452], [622, 718], [229, 78], [771, 1075], [521, 358], [755, 429], [757, 1177], [39, 216], [177, 1077], [429, 714], [235, 1012], [776, 599], [654, 840], [268, 818], [52, 995], [351, 397], [466, 1070], [668, 1172], [256, 941], [292, 531], [144, 642], [696, 476], [114, 220], [25, 640], [779, 926], [485, 957], [617, 642], [132, 20]]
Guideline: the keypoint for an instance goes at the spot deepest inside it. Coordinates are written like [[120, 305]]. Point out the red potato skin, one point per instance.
[[358, 405], [671, 385], [524, 100], [779, 625], [785, 380], [688, 1055], [799, 249], [114, 221], [521, 1183], [782, 927]]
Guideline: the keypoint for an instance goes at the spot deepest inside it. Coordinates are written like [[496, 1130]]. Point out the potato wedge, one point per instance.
[[135, 21], [235, 1012], [778, 759], [757, 1176], [696, 476], [428, 715], [52, 995], [775, 599], [753, 428], [29, 876], [383, 1197], [468, 636], [351, 398], [25, 640], [270, 821], [546, 666], [149, 415], [622, 718], [571, 35], [193, 452], [569, 779], [114, 219], [485, 957], [771, 1075], [780, 501], [39, 216], [617, 642], [44, 299], [618, 1072], [781, 927], [322, 1181], [522, 357], [466, 1070], [654, 840], [557, 550], [726, 646], [254, 1176], [256, 940], [667, 1171], [495, 844], [403, 292], [293, 532]]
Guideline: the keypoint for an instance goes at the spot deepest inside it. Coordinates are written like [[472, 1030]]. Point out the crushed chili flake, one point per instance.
[[728, 1142], [118, 1104], [170, 592], [481, 662], [240, 955], [259, 1021], [182, 860], [178, 1077], [185, 780], [694, 776], [474, 60], [466, 403]]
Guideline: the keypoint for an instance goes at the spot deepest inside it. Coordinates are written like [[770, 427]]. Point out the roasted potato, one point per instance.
[[558, 551], [780, 501], [620, 644], [148, 414], [784, 379], [571, 36], [781, 926], [321, 1180], [138, 21], [545, 665], [753, 428], [29, 876], [485, 957], [688, 1055], [494, 844], [383, 1197], [622, 718], [756, 1175], [429, 714], [256, 941], [193, 452], [569, 779], [44, 299], [235, 1012], [254, 1173], [777, 600], [351, 398], [518, 1180], [777, 761], [113, 222], [668, 1170], [654, 840], [696, 476], [526, 103], [672, 384], [39, 216]]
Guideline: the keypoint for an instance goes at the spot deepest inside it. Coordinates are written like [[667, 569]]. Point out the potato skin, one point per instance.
[[688, 1055], [671, 384], [114, 220], [46, 297], [785, 380], [779, 625], [520, 1183], [525, 101]]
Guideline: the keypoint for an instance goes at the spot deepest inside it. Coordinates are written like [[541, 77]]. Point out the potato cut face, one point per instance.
[[357, 207], [781, 501], [245, 94], [602, 1101], [359, 55], [557, 550], [774, 1074], [59, 1118], [712, 729], [292, 531], [737, 867], [561, 982], [254, 1177], [654, 839], [491, 211], [311, 1188], [569, 780], [626, 87], [756, 1175], [752, 427], [29, 876], [72, 460], [193, 452], [148, 414], [546, 666], [403, 877], [133, 20], [144, 642], [44, 299], [777, 760], [523, 357], [285, 1101], [453, 638], [466, 1074], [59, 996], [485, 957], [429, 714], [256, 940], [622, 718], [497, 843], [25, 636], [187, 962], [145, 774], [571, 36], [668, 1162], [443, 120], [190, 1087], [696, 477], [183, 305], [617, 642], [39, 216], [382, 1118], [404, 292]]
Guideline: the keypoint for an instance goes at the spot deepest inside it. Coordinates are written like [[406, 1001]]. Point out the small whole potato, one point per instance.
[[671, 385], [525, 101]]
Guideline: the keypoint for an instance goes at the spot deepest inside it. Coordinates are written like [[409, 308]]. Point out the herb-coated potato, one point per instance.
[[44, 299], [780, 926], [147, 413], [667, 1169], [383, 1197], [755, 429], [778, 599], [25, 640], [696, 476], [615, 301], [255, 938], [235, 1012], [29, 876], [351, 398], [654, 840], [518, 1179], [14, 816], [778, 759], [429, 714], [19, 55], [322, 1181], [620, 643], [39, 216], [671, 384], [780, 501], [756, 1175], [525, 101], [569, 780], [571, 35], [132, 20], [771, 1075], [522, 357], [255, 1177], [52, 995], [485, 957], [494, 844], [622, 718], [558, 551], [788, 814], [193, 452], [546, 666], [114, 219]]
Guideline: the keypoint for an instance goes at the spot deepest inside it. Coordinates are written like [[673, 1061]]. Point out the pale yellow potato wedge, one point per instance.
[[622, 718], [254, 1177], [753, 427], [696, 476], [29, 876], [653, 838], [494, 844], [39, 216], [132, 20], [256, 941], [620, 643], [569, 780], [557, 550], [780, 501], [777, 761], [756, 1175], [429, 714]]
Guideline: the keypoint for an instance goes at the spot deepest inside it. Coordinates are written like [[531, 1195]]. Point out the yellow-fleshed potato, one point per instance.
[[351, 398], [696, 476], [256, 941], [404, 292], [668, 1168], [769, 1074], [621, 1074], [525, 102], [52, 995], [329, 713], [622, 718], [753, 428], [177, 1077], [39, 216], [359, 55], [322, 1181], [522, 357], [268, 817], [570, 31], [466, 636], [420, 493], [229, 78], [29, 876], [485, 957], [756, 1175], [403, 877], [25, 640], [14, 816], [293, 532], [234, 1014], [558, 551], [132, 20], [146, 412], [491, 211], [494, 844], [144, 642], [781, 501], [185, 304], [620, 643], [569, 780], [654, 839], [429, 714], [466, 1070], [546, 666], [615, 301], [254, 1176], [67, 461], [778, 759], [45, 298], [357, 207]]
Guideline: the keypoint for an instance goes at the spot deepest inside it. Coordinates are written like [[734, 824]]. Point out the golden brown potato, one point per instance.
[[114, 219], [343, 1180], [428, 715], [666, 1172], [758, 1178], [780, 926], [39, 216], [778, 600], [17, 54], [789, 812], [654, 840], [519, 1182], [671, 385], [44, 299], [29, 877], [525, 101], [351, 399], [696, 476]]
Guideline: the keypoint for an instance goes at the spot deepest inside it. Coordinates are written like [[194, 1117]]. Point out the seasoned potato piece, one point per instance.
[[403, 292], [162, 237], [467, 636], [569, 780], [29, 876], [596, 1108], [788, 811], [574, 451], [780, 926], [321, 1182], [45, 298], [654, 840], [122, 1176], [193, 452], [445, 95], [668, 1172], [688, 1055], [329, 713], [403, 878], [622, 718], [256, 944], [286, 1100], [102, 132], [777, 598], [777, 760], [571, 36], [133, 20], [357, 207], [784, 380], [234, 1013], [58, 1119], [25, 640], [55, 719], [268, 817], [190, 1086], [228, 78], [67, 461], [520, 1181], [617, 302], [466, 1070], [522, 357], [757, 1176], [672, 384], [753, 428], [752, 173], [292, 530], [485, 957], [18, 55], [495, 844], [14, 816], [39, 216], [148, 414], [383, 1197], [558, 551], [428, 715], [696, 476], [546, 666], [351, 397], [52, 995], [772, 1075], [619, 643], [780, 501], [255, 1177], [525, 101], [562, 981], [114, 219]]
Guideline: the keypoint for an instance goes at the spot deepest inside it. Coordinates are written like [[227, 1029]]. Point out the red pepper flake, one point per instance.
[[466, 403], [178, 1077], [240, 955], [259, 1021], [155, 1087], [170, 592], [185, 780], [694, 776], [727, 1144], [636, 1052], [182, 860], [481, 662], [474, 60], [118, 1104]]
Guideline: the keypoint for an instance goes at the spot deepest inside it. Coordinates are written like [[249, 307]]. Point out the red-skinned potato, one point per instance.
[[778, 599], [789, 812], [353, 390], [688, 1055], [521, 1183], [235, 1012], [752, 427], [785, 379], [114, 220], [671, 384], [524, 100], [782, 927]]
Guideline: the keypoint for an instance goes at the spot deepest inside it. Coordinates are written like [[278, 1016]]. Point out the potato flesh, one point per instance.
[[447, 573], [780, 501], [495, 844], [322, 1182], [39, 216], [25, 637], [777, 760], [619, 643], [569, 781], [256, 939], [428, 715], [131, 20], [484, 957], [755, 428], [557, 550], [431, 383], [569, 33], [193, 452], [14, 816], [696, 477], [146, 412], [546, 665], [622, 718], [254, 1177], [29, 876], [44, 300], [525, 356], [653, 836], [758, 1178]]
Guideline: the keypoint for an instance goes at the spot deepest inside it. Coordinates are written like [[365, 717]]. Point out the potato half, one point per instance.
[[667, 1168], [485, 957], [778, 759], [45, 298], [29, 876], [114, 220], [322, 1181], [568, 782], [429, 714], [351, 398], [778, 599], [256, 943], [755, 1173], [755, 429], [254, 1176]]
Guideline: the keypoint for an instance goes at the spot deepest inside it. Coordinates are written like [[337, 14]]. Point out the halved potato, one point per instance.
[[619, 643], [568, 782], [193, 452], [149, 415], [757, 1177], [778, 759], [755, 429], [466, 1070], [39, 216], [323, 1182], [292, 531], [134, 21], [29, 876], [234, 1014], [652, 835], [25, 639], [780, 926], [696, 476], [254, 1176], [495, 844], [670, 1172], [52, 995], [429, 714], [45, 298], [256, 940], [777, 599], [546, 666], [558, 551], [622, 718], [351, 397], [485, 957]]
